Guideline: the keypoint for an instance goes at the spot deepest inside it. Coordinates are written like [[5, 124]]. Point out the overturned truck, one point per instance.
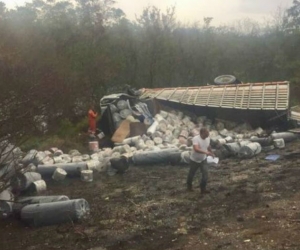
[[260, 104], [235, 115], [263, 105]]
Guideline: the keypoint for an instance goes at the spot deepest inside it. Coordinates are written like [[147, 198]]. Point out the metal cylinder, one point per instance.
[[158, 140], [184, 133], [58, 152], [29, 157], [122, 104], [176, 132], [23, 201], [250, 150], [115, 155], [158, 118], [41, 199], [120, 164], [131, 141], [152, 128], [224, 132], [168, 138], [116, 117], [149, 143], [259, 131], [185, 157], [93, 164], [279, 143], [244, 143], [87, 175], [31, 168], [74, 152], [86, 157], [40, 156], [113, 108], [53, 213], [122, 149], [7, 171], [268, 148], [6, 203], [221, 141], [125, 113], [148, 121], [220, 126], [233, 148], [239, 136], [229, 139], [153, 157], [182, 140], [163, 114], [66, 158], [21, 182], [266, 141], [72, 169], [170, 127], [77, 158], [186, 120], [58, 159], [38, 187], [59, 174], [140, 144], [162, 127], [286, 136]]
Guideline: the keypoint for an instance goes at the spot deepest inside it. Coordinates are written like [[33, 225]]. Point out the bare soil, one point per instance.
[[253, 204]]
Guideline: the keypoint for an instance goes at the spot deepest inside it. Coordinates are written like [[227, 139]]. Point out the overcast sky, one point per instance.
[[223, 11]]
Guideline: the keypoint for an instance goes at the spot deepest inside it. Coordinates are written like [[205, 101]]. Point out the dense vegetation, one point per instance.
[[57, 56]]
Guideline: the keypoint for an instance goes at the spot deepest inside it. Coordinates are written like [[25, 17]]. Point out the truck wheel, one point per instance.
[[225, 79]]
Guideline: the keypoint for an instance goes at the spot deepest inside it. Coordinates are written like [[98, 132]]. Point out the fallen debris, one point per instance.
[[165, 138], [53, 213], [250, 150], [172, 155], [279, 143], [38, 187], [21, 182], [6, 203], [286, 136], [87, 175], [39, 200], [59, 174], [272, 157], [29, 200], [72, 169]]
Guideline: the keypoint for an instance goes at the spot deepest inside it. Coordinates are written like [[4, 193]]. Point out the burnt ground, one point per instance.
[[254, 204]]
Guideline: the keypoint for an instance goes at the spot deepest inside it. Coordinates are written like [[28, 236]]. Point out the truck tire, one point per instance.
[[225, 79]]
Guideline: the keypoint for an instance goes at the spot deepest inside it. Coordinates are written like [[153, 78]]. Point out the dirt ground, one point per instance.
[[254, 204]]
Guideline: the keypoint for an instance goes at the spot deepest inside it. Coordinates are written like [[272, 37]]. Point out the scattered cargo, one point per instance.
[[166, 138], [46, 214]]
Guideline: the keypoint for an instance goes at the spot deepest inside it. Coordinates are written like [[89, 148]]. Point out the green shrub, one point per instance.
[[66, 129], [68, 136]]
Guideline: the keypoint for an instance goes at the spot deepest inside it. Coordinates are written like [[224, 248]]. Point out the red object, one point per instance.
[[92, 121]]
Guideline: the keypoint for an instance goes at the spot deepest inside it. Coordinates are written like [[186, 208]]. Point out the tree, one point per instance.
[[294, 15], [156, 54]]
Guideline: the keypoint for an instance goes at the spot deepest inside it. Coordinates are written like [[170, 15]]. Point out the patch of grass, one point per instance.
[[65, 144], [68, 136]]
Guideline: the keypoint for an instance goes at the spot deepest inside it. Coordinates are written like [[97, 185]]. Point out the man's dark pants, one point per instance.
[[193, 169]]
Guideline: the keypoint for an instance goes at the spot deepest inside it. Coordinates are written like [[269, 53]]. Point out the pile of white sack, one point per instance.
[[175, 130]]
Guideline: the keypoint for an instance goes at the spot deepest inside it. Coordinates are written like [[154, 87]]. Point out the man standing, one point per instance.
[[201, 149], [92, 119]]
